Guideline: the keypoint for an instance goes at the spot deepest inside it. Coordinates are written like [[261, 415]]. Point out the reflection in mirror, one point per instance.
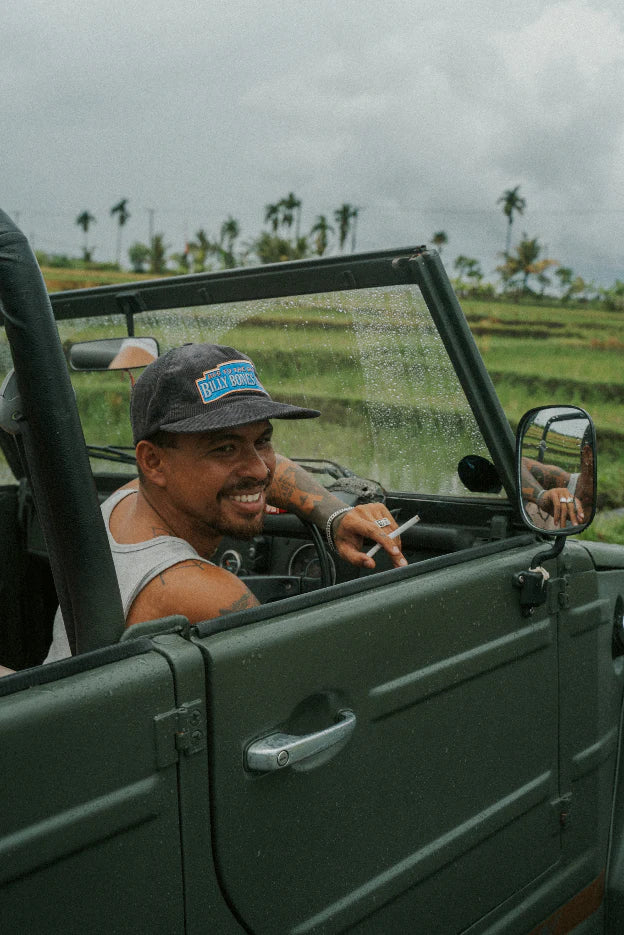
[[113, 354], [557, 469]]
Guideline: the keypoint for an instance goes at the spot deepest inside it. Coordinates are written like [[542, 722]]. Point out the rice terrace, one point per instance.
[[536, 354]]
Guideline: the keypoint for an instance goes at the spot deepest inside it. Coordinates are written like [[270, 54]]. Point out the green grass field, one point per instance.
[[535, 356]]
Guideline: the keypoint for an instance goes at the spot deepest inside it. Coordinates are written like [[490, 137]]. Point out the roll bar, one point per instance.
[[49, 427]]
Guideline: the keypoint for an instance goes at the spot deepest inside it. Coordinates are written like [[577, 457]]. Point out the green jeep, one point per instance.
[[430, 749]]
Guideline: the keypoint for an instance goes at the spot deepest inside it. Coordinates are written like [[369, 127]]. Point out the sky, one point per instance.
[[419, 114]]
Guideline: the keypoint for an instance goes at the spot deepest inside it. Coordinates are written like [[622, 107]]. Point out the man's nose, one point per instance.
[[252, 464]]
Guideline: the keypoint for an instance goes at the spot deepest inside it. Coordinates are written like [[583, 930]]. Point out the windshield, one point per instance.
[[370, 359]]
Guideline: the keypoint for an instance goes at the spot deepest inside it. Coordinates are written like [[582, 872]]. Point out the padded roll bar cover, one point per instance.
[[61, 476]]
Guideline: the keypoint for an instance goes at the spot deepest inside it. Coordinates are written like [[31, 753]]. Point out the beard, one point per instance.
[[237, 526], [240, 528]]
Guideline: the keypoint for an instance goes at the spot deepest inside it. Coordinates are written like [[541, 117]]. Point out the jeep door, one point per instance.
[[437, 808]]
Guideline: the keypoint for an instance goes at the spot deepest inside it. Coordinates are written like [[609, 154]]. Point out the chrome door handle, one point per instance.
[[280, 750]]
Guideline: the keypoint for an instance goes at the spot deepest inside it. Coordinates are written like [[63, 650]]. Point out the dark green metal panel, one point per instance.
[[205, 907], [327, 274], [453, 328], [58, 463], [444, 788], [90, 836]]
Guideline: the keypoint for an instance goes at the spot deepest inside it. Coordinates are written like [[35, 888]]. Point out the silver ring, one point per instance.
[[383, 522], [566, 499]]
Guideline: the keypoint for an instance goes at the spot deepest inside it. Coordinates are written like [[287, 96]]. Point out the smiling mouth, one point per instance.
[[247, 497]]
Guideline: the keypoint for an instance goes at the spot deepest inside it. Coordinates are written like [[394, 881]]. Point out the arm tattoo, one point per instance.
[[555, 477], [531, 488], [547, 475], [295, 490], [241, 603]]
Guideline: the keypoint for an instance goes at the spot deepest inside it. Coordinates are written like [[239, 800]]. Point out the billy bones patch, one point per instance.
[[234, 376]]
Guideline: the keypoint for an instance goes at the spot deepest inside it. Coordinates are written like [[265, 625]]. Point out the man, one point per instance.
[[207, 468]]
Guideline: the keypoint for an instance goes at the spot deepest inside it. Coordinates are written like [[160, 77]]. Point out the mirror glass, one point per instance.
[[557, 469], [113, 354]]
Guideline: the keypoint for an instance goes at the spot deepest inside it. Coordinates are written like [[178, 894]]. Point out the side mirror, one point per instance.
[[479, 475], [113, 354], [556, 470]]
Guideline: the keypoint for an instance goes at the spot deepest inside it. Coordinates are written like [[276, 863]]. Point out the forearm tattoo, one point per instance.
[[295, 490], [531, 489], [538, 477]]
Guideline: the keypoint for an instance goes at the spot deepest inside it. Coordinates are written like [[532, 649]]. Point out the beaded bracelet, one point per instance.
[[328, 532]]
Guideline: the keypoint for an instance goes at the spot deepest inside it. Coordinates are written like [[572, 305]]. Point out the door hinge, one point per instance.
[[182, 730], [561, 809], [559, 594]]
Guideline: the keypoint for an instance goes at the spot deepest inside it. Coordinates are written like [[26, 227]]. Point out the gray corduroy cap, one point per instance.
[[203, 388]]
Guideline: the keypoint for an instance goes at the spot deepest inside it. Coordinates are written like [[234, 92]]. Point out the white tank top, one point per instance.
[[136, 564]]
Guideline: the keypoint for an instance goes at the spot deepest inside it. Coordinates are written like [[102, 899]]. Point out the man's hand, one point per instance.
[[350, 530], [293, 489], [562, 506]]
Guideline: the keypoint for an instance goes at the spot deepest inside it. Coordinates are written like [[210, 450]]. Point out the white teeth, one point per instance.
[[247, 498]]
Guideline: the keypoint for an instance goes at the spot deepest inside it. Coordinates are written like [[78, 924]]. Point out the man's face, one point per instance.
[[216, 482]]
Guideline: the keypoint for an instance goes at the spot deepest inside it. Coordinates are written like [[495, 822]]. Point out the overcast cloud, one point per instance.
[[420, 114]]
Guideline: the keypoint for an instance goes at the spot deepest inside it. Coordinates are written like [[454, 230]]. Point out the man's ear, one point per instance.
[[150, 458]]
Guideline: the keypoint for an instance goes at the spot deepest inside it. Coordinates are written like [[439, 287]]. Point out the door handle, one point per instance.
[[279, 750]]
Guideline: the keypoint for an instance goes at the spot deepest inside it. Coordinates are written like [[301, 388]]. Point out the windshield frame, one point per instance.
[[415, 265]]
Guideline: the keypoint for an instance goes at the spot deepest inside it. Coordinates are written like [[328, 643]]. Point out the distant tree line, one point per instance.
[[523, 271]]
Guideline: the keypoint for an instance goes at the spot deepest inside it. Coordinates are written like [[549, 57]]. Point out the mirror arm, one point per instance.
[[533, 583], [551, 553], [129, 303]]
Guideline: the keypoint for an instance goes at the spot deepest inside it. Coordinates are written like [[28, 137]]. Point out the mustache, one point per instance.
[[246, 484]]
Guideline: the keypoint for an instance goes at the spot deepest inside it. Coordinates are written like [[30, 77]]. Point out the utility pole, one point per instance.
[[151, 212]]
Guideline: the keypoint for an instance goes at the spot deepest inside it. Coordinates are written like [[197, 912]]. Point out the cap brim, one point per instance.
[[239, 412]]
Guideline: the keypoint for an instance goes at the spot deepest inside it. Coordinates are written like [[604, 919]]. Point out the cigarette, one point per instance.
[[393, 535]]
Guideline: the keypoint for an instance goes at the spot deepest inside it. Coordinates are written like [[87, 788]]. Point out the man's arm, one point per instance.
[[547, 475], [295, 490], [193, 588], [546, 485]]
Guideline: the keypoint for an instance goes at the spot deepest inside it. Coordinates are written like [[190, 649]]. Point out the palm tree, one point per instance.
[[525, 262], [511, 202], [439, 239], [354, 217], [230, 229], [85, 220], [200, 248], [272, 216], [321, 228], [291, 207], [121, 210], [343, 217]]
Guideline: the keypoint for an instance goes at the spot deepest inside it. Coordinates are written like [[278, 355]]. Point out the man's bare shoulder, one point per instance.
[[193, 588]]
